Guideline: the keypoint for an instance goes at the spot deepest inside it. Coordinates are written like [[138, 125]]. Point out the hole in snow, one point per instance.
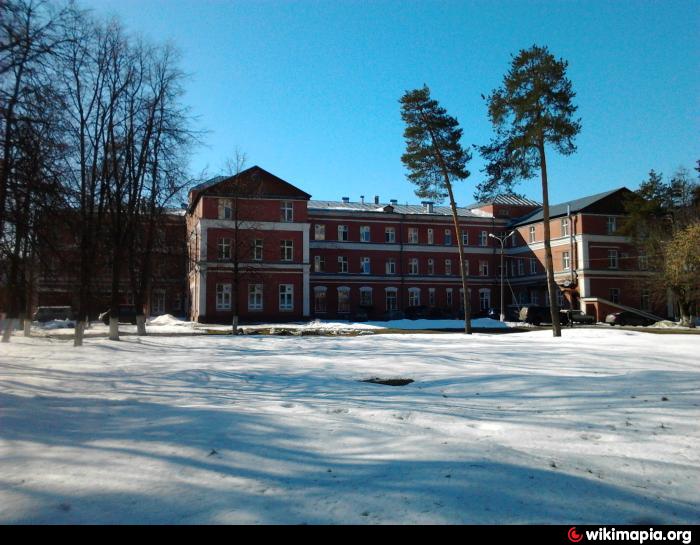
[[389, 381]]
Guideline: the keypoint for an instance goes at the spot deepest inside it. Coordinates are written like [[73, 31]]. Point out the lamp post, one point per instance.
[[502, 239]]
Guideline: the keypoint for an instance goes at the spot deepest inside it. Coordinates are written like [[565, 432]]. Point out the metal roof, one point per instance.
[[411, 209], [561, 209]]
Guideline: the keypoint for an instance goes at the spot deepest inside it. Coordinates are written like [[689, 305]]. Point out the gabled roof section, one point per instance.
[[510, 200], [577, 205], [254, 182]]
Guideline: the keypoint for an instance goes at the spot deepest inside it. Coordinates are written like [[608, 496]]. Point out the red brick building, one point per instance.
[[260, 243]]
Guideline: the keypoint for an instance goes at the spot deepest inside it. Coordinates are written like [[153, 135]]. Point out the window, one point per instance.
[[391, 300], [343, 299], [158, 302], [364, 233], [645, 303], [225, 209], [319, 232], [287, 250], [565, 261], [413, 265], [483, 268], [565, 227], [614, 295], [532, 234], [448, 267], [342, 264], [484, 299], [320, 299], [449, 297], [412, 235], [224, 248], [431, 266], [255, 296], [257, 249], [431, 236], [287, 211], [533, 266], [643, 262], [286, 297], [319, 263], [391, 266], [390, 235], [484, 238], [413, 297], [366, 297], [465, 238], [448, 237], [521, 267], [612, 224], [342, 232], [431, 297], [534, 297], [364, 265], [612, 259], [223, 297]]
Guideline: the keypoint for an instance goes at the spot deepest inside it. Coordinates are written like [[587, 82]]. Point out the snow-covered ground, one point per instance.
[[600, 426]]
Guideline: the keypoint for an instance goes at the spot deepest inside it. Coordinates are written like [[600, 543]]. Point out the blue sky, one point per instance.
[[309, 90]]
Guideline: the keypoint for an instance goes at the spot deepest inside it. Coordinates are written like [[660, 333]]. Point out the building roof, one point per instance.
[[510, 200], [561, 209], [254, 181], [410, 209]]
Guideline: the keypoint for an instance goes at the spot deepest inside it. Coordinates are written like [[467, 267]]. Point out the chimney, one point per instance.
[[394, 202], [428, 207], [362, 199], [346, 199], [376, 199]]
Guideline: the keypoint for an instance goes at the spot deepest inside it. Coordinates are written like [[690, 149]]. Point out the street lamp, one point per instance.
[[502, 240]]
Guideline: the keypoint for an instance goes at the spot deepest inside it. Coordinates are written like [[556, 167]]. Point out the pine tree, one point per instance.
[[435, 159], [533, 109]]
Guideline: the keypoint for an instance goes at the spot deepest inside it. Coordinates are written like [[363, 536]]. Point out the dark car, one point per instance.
[[627, 318], [46, 314], [576, 317], [126, 314], [535, 315]]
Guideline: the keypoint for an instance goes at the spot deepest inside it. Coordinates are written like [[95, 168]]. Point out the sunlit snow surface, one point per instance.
[[599, 426]]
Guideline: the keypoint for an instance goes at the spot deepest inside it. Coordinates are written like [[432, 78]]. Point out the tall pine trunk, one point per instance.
[[548, 263], [463, 272]]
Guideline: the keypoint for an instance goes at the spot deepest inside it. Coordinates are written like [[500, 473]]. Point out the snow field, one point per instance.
[[598, 427]]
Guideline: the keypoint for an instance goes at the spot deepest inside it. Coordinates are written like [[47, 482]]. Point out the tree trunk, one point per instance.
[[27, 327], [9, 325], [548, 263], [235, 324], [113, 328], [79, 333], [462, 269], [141, 324]]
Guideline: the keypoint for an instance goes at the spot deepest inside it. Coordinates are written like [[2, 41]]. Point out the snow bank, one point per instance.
[[168, 319]]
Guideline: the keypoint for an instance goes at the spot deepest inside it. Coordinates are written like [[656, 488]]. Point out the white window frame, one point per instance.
[[365, 233], [448, 237], [448, 267], [255, 297], [258, 249], [287, 250], [343, 233], [223, 249], [484, 298], [566, 261], [431, 236], [390, 266], [533, 234], [413, 266], [344, 299], [319, 263], [320, 290], [365, 299], [613, 259], [413, 297], [565, 227], [365, 265], [287, 211], [342, 264], [394, 299], [223, 296], [390, 235], [225, 209], [431, 266], [286, 297], [483, 268], [413, 235], [319, 231]]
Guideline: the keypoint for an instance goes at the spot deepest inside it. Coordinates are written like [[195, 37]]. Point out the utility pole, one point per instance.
[[502, 239]]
